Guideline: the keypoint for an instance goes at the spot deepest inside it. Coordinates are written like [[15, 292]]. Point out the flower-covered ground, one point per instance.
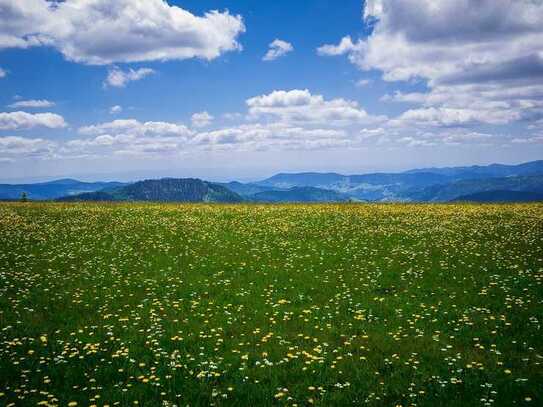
[[255, 305]]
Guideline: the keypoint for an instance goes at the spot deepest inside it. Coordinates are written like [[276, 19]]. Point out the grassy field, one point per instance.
[[245, 305]]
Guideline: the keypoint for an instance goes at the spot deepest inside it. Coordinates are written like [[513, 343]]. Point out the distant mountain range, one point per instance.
[[53, 189], [492, 183], [423, 185]]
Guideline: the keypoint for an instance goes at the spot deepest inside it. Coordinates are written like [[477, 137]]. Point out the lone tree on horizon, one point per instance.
[[24, 197]]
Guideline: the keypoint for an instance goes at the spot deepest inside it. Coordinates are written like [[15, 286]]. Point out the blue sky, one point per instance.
[[352, 87]]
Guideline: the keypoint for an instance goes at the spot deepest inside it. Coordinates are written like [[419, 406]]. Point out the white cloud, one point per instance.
[[247, 137], [124, 144], [489, 62], [32, 103], [491, 103], [23, 120], [300, 106], [119, 79], [414, 137], [162, 139], [115, 109], [136, 128], [130, 137], [3, 73], [202, 119], [275, 136], [19, 19], [278, 48], [282, 136], [102, 32], [446, 117], [135, 138], [13, 146], [270, 136], [345, 46], [287, 121], [414, 38]]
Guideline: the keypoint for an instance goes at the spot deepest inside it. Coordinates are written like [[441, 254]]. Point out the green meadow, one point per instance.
[[271, 305]]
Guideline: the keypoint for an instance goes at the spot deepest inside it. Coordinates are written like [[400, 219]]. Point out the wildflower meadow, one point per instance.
[[271, 305]]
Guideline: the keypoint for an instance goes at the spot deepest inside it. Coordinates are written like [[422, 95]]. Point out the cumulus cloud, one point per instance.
[[23, 120], [251, 136], [14, 146], [277, 49], [100, 32], [135, 138], [450, 137], [136, 128], [300, 106], [488, 58], [345, 46], [32, 103], [492, 103], [115, 109], [202, 119], [427, 39], [277, 136], [283, 121], [245, 137], [451, 117], [129, 137], [3, 73], [416, 137], [124, 144], [525, 68], [119, 78], [162, 139]]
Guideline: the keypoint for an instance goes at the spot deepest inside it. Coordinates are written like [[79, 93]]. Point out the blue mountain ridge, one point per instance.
[[497, 182]]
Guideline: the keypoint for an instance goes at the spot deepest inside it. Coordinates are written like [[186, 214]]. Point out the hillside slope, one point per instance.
[[163, 190], [300, 194], [455, 190]]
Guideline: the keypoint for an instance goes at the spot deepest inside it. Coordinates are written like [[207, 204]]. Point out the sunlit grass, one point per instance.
[[119, 304]]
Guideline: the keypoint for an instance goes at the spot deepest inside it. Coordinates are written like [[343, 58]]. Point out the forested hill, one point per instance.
[[163, 190]]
